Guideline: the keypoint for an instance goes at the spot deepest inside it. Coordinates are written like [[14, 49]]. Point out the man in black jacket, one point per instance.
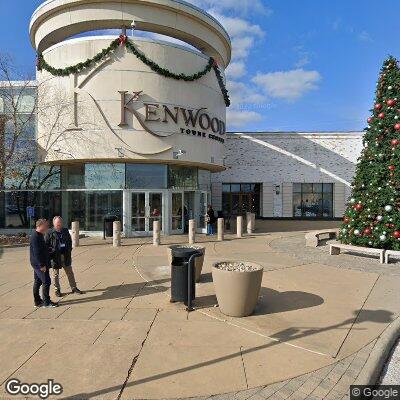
[[59, 241], [40, 261]]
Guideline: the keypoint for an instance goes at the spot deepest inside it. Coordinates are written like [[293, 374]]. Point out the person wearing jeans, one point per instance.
[[40, 262], [59, 241], [210, 219]]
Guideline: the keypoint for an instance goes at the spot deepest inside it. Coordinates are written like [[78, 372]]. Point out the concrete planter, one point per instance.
[[199, 261], [237, 286]]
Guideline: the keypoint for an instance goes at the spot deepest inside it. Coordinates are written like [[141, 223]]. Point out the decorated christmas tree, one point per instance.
[[372, 218]]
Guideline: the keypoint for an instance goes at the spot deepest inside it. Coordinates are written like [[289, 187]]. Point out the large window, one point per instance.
[[313, 200], [90, 208], [93, 176], [146, 176], [182, 177], [45, 204], [239, 198]]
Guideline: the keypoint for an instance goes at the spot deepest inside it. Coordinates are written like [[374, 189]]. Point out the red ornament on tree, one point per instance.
[[369, 120], [392, 167], [395, 142], [358, 207], [378, 106], [381, 115], [391, 102], [396, 234], [367, 231], [397, 127], [346, 220]]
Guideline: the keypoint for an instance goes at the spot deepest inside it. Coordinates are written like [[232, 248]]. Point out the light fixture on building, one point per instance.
[[121, 152], [277, 189], [177, 154], [133, 27]]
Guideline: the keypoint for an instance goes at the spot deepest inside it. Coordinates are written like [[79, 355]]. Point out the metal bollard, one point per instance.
[[192, 231], [239, 226], [221, 229], [75, 234], [156, 233], [116, 233]]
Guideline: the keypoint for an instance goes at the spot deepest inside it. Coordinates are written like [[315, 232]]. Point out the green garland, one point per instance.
[[74, 69], [123, 40]]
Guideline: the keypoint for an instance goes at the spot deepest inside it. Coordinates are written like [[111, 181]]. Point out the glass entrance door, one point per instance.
[[201, 223], [155, 210], [139, 213], [146, 208], [177, 213]]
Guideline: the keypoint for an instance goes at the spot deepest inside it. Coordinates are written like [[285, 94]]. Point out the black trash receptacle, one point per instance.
[[179, 274], [108, 225]]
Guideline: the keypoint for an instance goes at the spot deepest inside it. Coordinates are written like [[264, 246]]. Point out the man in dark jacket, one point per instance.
[[59, 241], [40, 261], [210, 220]]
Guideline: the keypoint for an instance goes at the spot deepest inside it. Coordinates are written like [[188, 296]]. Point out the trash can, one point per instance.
[[108, 225], [182, 260]]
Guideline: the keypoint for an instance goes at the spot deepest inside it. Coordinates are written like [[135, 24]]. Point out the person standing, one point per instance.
[[59, 241], [210, 218], [40, 262]]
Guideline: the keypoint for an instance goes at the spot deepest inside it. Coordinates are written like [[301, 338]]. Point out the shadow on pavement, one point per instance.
[[118, 292], [287, 335]]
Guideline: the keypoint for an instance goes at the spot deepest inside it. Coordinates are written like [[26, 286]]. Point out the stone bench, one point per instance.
[[313, 238], [391, 253], [335, 249]]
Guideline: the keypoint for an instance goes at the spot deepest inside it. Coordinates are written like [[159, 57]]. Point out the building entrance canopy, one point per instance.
[[57, 20]]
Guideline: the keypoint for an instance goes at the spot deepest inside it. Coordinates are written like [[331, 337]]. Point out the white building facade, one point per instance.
[[287, 175], [134, 129]]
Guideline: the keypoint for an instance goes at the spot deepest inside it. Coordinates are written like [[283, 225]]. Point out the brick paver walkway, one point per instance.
[[139, 346]]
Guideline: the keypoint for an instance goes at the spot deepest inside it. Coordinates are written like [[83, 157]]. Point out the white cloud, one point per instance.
[[236, 70], [237, 119], [242, 93], [364, 36], [288, 85], [243, 7], [237, 26], [303, 61], [241, 47]]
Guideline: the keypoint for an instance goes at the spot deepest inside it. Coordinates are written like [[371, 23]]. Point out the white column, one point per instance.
[[116, 233], [156, 233], [239, 226], [220, 229], [192, 231], [75, 234], [126, 213], [249, 223]]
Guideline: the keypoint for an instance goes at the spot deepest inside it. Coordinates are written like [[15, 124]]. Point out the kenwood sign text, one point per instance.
[[191, 122]]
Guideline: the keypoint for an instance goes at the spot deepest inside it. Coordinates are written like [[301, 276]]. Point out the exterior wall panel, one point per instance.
[[287, 199], [339, 200], [267, 200]]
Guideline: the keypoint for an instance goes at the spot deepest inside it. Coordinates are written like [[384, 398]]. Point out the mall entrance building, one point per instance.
[[134, 129], [129, 127], [136, 194]]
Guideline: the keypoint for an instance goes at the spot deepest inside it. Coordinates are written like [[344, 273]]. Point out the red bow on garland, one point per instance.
[[123, 39]]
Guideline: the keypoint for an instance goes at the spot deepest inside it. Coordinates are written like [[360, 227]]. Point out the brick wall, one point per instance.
[[285, 158]]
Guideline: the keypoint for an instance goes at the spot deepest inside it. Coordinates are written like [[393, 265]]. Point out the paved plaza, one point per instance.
[[316, 323]]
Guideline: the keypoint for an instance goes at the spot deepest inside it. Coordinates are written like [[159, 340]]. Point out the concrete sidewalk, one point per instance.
[[309, 338]]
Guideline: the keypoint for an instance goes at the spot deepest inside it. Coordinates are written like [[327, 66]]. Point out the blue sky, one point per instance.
[[307, 65]]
